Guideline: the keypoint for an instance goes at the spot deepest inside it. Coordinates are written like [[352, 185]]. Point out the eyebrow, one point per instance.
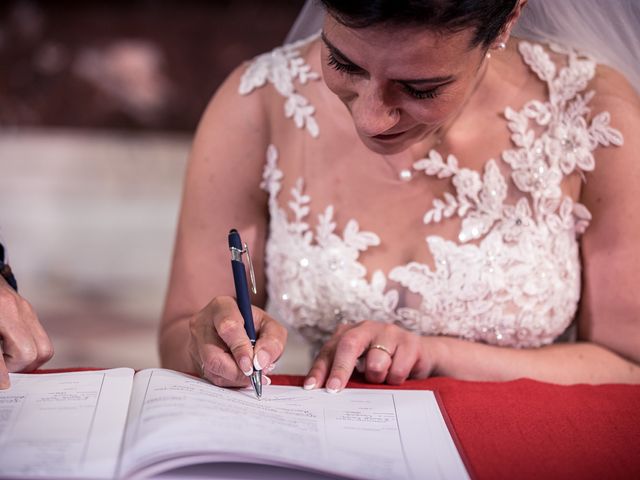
[[444, 79]]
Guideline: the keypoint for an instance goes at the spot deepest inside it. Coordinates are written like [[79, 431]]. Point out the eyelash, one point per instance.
[[341, 67], [351, 69], [422, 94]]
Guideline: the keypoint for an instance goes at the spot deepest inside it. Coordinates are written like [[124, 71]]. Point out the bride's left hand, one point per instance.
[[383, 352]]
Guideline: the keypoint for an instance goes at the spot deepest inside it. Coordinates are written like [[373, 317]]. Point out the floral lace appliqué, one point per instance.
[[540, 163], [320, 282], [282, 67]]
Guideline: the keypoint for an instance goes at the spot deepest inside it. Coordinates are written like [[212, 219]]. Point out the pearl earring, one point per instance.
[[497, 46]]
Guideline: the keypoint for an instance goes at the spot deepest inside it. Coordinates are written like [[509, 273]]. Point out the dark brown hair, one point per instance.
[[487, 17]]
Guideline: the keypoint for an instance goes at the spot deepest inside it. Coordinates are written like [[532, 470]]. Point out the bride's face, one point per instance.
[[401, 85]]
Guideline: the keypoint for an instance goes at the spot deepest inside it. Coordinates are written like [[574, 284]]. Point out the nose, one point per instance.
[[372, 115]]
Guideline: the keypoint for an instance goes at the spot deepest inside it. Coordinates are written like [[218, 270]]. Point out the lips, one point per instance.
[[388, 136]]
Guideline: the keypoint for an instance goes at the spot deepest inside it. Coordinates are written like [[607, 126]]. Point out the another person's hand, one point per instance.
[[383, 352], [24, 345], [220, 348]]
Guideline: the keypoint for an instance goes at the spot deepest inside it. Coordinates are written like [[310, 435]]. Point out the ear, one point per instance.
[[511, 22]]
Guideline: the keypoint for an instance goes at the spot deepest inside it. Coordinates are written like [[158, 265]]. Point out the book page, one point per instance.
[[176, 420], [63, 425]]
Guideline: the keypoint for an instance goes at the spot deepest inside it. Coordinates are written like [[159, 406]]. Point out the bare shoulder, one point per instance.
[[243, 115], [261, 89], [615, 105], [613, 92], [238, 112]]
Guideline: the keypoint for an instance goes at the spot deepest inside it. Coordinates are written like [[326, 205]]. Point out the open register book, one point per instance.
[[117, 424]]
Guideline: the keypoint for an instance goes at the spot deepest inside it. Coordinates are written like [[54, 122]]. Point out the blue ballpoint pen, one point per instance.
[[242, 296]]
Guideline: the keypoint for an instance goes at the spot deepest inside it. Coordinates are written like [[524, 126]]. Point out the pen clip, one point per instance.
[[251, 273], [236, 254]]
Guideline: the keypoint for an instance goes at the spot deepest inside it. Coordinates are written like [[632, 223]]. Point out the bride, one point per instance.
[[423, 194]]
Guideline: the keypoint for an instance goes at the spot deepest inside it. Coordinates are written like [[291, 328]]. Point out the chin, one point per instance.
[[385, 150]]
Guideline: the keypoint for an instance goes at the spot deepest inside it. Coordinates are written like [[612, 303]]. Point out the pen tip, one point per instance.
[[256, 381]]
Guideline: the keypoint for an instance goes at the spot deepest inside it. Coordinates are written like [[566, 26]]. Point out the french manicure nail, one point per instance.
[[333, 385], [261, 358], [309, 383], [245, 366], [266, 380]]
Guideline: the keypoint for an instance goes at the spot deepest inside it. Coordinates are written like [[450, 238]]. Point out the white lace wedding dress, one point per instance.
[[512, 276]]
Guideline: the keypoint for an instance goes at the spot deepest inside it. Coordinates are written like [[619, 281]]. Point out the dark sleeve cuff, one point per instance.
[[5, 271]]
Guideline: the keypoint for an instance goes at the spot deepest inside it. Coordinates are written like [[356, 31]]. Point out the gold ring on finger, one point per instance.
[[377, 346]]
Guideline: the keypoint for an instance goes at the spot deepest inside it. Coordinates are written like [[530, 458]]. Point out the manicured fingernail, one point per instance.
[[333, 385], [245, 366], [261, 358], [270, 368], [309, 383]]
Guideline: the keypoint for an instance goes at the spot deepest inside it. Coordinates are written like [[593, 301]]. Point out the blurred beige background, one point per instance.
[[97, 109], [88, 218]]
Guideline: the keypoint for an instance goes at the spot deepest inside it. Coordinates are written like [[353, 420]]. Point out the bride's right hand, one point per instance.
[[220, 348]]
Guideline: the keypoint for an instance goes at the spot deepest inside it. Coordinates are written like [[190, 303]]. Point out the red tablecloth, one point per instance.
[[531, 430]]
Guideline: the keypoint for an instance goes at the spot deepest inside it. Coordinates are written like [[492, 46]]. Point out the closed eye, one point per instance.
[[344, 67], [422, 94]]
